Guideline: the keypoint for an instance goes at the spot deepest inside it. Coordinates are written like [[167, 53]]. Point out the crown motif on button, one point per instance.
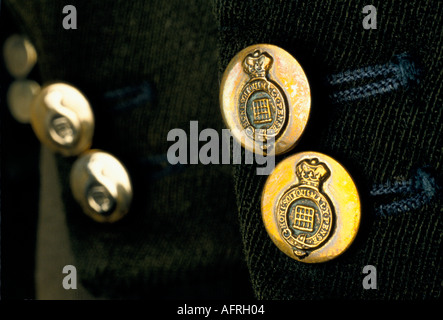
[[311, 172], [257, 64]]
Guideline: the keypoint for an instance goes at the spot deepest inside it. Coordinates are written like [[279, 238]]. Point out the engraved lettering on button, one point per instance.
[[62, 123], [305, 215], [262, 103]]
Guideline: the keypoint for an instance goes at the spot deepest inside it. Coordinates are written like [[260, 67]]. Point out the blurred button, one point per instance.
[[265, 97], [62, 119], [101, 186], [311, 207], [19, 97], [20, 56]]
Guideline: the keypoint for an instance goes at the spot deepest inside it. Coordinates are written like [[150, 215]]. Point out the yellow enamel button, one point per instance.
[[101, 186], [265, 99], [311, 207], [62, 119]]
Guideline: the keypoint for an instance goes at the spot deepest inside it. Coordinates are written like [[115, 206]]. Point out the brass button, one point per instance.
[[19, 55], [62, 119], [311, 207], [101, 186], [264, 98], [19, 97]]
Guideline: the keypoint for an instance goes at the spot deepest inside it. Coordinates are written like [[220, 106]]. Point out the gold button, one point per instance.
[[62, 119], [264, 98], [101, 186], [19, 55], [19, 96], [311, 207]]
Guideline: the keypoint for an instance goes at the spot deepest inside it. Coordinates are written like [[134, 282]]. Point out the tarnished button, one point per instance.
[[19, 96], [264, 98], [101, 186], [62, 119], [19, 55], [311, 207]]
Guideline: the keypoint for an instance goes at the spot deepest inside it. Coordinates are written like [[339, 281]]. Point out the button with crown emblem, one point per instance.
[[101, 186], [311, 207], [265, 99], [62, 119]]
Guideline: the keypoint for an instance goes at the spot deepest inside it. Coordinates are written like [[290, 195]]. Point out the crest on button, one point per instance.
[[265, 99], [262, 106], [310, 207], [305, 214]]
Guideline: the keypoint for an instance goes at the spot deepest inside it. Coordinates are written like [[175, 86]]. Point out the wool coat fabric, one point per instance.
[[194, 230]]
